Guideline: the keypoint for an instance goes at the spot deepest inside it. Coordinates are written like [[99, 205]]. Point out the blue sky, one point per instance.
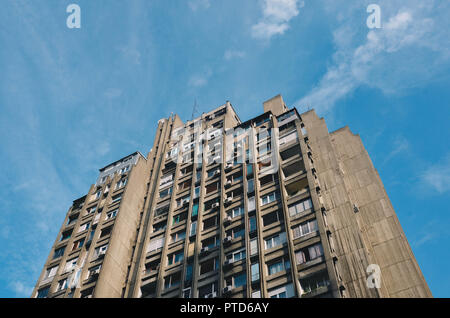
[[74, 100]]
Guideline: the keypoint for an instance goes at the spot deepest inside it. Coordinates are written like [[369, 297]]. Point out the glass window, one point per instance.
[[240, 280]]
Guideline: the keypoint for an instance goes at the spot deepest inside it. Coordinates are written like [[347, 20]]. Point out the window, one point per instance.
[[100, 250], [106, 231], [236, 232], [175, 258], [275, 240], [212, 173], [236, 255], [213, 187], [209, 266], [59, 252], [177, 219], [211, 242], [254, 246], [116, 198], [207, 290], [185, 185], [255, 271], [161, 210], [78, 244], [252, 223], [178, 236], [172, 280], [251, 204], [72, 219], [193, 229], [314, 282], [84, 227], [183, 200], [166, 179], [236, 212], [50, 272], [308, 254], [195, 209], [273, 217], [300, 207], [91, 209], [256, 294], [268, 198], [278, 266], [94, 271], [159, 226], [124, 169], [65, 235], [196, 192], [286, 291], [267, 179], [188, 272], [305, 228], [43, 292], [111, 214], [98, 194], [62, 284], [249, 169], [71, 264], [121, 183], [288, 138], [210, 223], [165, 192], [237, 281], [155, 244], [250, 186]]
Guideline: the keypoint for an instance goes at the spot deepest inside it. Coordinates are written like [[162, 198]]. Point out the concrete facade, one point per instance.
[[275, 206]]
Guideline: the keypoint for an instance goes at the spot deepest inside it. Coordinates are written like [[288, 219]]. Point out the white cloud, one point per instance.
[[231, 54], [112, 93], [400, 145], [199, 80], [199, 4], [438, 176], [409, 50], [21, 289], [276, 15]]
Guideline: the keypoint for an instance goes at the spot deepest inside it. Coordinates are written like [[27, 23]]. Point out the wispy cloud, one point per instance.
[[438, 176], [201, 79], [232, 54], [276, 16], [400, 145], [21, 289], [199, 4], [393, 59]]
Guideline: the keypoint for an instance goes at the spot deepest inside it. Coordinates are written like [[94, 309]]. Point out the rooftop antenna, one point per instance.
[[194, 109]]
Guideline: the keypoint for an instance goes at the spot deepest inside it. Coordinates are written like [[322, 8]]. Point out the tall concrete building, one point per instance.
[[275, 206]]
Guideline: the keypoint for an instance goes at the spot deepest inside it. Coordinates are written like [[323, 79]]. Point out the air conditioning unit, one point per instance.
[[227, 262], [204, 250], [228, 183], [228, 200], [228, 166], [217, 172], [102, 253], [211, 295], [227, 289], [228, 219], [228, 239], [215, 205], [96, 272]]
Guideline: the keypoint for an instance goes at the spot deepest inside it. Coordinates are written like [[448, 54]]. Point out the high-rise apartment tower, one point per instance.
[[275, 206]]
